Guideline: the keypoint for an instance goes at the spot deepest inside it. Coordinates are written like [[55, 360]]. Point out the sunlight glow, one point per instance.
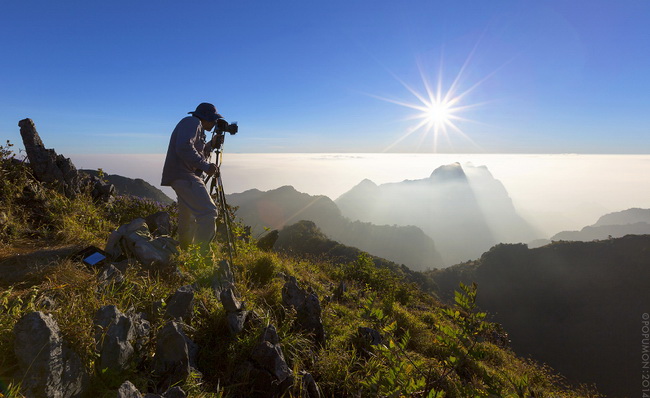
[[439, 108]]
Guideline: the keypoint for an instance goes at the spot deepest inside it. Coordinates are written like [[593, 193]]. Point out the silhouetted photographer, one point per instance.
[[188, 159]]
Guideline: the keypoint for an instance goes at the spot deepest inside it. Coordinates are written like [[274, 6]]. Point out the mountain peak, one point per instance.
[[449, 172]]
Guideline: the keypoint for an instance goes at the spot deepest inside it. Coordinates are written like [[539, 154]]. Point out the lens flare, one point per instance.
[[439, 108]]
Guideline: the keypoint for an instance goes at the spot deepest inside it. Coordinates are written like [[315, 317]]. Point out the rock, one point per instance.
[[49, 368], [175, 392], [371, 336], [114, 332], [236, 321], [47, 303], [223, 278], [119, 338], [307, 307], [135, 240], [180, 305], [128, 390], [47, 165], [142, 329], [267, 241], [102, 191], [110, 274], [340, 291], [270, 358], [270, 334], [159, 223], [229, 301], [309, 387], [236, 315], [171, 363]]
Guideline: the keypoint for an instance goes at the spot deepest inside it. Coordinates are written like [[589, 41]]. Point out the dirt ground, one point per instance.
[[27, 260]]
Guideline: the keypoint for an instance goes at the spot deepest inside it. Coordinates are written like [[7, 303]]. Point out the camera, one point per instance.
[[224, 127]]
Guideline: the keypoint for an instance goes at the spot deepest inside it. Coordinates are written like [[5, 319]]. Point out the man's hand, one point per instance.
[[213, 170]]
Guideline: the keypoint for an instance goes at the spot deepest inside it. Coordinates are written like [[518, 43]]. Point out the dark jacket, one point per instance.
[[187, 152]]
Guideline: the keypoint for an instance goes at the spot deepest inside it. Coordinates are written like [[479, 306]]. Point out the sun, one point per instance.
[[440, 109]]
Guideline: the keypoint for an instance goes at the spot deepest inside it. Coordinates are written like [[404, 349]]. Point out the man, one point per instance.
[[186, 161]]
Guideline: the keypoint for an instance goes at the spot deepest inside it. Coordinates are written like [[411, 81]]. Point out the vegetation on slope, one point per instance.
[[428, 349]]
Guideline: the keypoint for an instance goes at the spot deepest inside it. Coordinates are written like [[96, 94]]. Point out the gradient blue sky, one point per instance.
[[304, 76]]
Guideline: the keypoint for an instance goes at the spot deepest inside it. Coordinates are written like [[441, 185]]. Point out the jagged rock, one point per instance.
[[50, 369], [171, 363], [309, 387], [370, 335], [47, 303], [236, 313], [230, 301], [109, 274], [128, 390], [118, 337], [142, 329], [159, 223], [223, 278], [236, 321], [267, 241], [114, 332], [102, 191], [270, 334], [134, 240], [270, 358], [180, 306], [175, 392], [47, 166], [307, 307], [340, 291]]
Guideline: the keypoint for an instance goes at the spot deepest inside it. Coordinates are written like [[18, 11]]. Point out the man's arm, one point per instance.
[[186, 136]]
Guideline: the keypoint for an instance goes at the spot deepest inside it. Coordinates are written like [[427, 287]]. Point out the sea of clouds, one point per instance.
[[554, 192]]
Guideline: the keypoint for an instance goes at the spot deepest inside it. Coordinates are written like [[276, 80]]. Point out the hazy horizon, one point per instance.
[[554, 192]]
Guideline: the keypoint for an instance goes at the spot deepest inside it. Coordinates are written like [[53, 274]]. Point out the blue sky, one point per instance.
[[305, 76]]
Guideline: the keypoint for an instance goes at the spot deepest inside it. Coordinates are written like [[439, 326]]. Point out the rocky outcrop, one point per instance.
[[173, 360], [307, 307], [118, 337], [267, 369], [50, 369], [56, 170], [135, 240], [235, 311], [180, 305]]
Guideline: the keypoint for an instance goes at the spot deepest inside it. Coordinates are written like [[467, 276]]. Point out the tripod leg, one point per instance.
[[223, 208]]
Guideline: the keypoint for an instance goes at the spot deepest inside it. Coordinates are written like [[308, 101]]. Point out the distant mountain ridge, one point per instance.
[[632, 221], [577, 306], [134, 187], [464, 209], [283, 206]]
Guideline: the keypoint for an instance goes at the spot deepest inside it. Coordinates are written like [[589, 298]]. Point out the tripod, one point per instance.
[[218, 195]]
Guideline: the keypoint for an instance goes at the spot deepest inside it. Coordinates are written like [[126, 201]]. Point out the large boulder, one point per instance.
[[49, 368]]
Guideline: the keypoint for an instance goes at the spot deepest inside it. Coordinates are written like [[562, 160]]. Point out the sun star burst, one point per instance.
[[439, 108]]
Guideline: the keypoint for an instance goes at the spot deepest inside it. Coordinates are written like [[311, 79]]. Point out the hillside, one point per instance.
[[269, 325], [568, 304], [464, 209], [134, 187], [284, 206]]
